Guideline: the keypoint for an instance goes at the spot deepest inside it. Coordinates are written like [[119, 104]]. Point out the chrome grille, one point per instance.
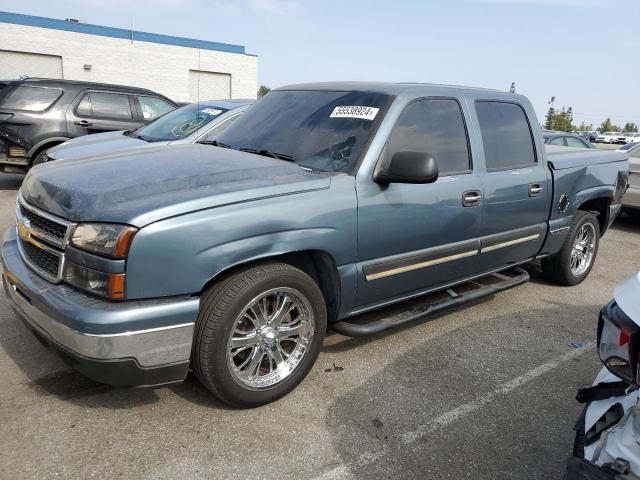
[[42, 238], [41, 259], [43, 225]]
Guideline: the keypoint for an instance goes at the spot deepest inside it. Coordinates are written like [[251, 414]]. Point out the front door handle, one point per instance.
[[471, 198], [535, 189], [83, 123]]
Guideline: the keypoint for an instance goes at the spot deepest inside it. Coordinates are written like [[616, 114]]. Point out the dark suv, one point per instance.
[[36, 114]]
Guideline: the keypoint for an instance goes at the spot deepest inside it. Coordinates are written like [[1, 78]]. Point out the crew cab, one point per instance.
[[321, 203]]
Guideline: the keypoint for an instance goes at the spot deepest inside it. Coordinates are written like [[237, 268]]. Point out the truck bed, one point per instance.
[[561, 158]]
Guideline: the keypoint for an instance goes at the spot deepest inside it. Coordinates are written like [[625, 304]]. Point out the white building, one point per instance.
[[183, 69]]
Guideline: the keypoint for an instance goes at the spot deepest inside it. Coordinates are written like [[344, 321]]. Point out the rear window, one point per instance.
[[32, 99], [506, 136]]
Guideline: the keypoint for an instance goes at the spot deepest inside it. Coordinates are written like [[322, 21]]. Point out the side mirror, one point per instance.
[[409, 167]]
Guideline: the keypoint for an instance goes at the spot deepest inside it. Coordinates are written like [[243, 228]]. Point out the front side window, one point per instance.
[[433, 126], [153, 108], [317, 129], [32, 99], [105, 105], [506, 136], [179, 123]]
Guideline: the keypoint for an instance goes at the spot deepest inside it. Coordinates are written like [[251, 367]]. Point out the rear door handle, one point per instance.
[[83, 123], [471, 198], [535, 189]]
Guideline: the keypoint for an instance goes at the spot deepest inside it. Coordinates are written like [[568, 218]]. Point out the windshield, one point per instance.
[[628, 146], [321, 130], [179, 123]]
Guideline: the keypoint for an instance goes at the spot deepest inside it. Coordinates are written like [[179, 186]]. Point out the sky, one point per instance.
[[586, 53]]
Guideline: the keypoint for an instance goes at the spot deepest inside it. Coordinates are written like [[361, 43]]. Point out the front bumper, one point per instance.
[[581, 469], [132, 343]]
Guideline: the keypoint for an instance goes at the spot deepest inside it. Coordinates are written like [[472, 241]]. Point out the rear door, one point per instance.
[[102, 111], [517, 187]]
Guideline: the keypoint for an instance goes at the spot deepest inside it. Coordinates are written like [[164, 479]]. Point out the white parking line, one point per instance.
[[367, 458]]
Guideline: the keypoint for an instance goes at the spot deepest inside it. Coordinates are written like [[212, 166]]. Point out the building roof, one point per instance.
[[100, 30]]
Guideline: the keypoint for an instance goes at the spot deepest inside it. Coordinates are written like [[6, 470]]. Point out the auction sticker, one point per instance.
[[366, 113], [212, 111]]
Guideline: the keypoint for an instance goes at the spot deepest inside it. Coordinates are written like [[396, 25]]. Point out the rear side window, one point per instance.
[[32, 99], [434, 126], [153, 108], [558, 141], [576, 143], [506, 136], [105, 105]]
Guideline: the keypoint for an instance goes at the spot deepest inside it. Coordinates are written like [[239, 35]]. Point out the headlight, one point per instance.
[[619, 343], [107, 239], [108, 285]]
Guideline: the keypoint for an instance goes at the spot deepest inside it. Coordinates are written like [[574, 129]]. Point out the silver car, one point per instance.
[[192, 123], [631, 199]]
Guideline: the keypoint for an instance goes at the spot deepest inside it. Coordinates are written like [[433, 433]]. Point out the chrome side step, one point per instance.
[[430, 304]]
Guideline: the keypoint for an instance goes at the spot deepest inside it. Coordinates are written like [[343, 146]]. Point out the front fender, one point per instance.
[[180, 255]]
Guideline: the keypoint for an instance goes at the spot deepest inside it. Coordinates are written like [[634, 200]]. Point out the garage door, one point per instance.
[[209, 85], [16, 64]]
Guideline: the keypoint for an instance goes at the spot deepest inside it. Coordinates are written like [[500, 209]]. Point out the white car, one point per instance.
[[607, 137], [630, 137], [608, 431]]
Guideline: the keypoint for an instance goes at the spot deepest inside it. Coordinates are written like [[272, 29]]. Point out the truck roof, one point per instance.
[[388, 88]]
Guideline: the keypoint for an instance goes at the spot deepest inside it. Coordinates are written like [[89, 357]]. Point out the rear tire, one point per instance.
[[572, 264], [251, 347]]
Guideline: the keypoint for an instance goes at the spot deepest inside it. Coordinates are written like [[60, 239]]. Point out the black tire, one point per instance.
[[558, 267], [222, 303], [40, 158]]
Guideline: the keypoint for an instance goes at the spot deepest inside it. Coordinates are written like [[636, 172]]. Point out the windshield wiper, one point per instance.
[[216, 143], [267, 153], [143, 138]]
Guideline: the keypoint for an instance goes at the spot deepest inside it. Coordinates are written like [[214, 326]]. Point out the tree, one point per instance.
[[630, 127], [550, 115], [608, 126], [562, 120], [263, 90]]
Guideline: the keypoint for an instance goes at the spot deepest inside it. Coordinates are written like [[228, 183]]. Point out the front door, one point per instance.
[[416, 237]]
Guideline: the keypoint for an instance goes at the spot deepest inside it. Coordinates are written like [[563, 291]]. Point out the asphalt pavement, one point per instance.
[[483, 392]]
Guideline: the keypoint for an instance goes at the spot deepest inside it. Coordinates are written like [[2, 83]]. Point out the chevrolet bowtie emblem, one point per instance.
[[23, 232]]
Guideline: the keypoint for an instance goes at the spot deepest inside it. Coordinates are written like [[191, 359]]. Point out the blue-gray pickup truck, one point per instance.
[[322, 203]]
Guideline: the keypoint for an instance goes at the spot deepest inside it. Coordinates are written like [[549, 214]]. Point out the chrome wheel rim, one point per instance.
[[583, 249], [269, 339]]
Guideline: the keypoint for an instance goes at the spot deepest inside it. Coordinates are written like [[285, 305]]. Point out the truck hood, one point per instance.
[[142, 186], [96, 144], [627, 295]]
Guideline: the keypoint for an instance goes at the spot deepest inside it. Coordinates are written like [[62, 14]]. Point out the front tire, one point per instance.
[[258, 333], [572, 264], [40, 158]]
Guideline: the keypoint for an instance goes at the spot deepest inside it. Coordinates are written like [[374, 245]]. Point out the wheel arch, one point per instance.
[[318, 264], [599, 206], [44, 144]]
